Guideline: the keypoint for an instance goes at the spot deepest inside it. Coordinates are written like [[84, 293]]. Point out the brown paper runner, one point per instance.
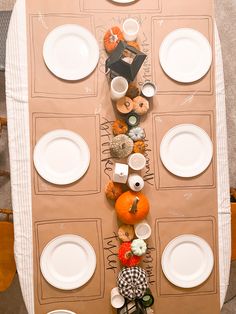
[[177, 205]]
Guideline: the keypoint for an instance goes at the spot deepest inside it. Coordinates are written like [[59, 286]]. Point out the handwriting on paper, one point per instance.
[[110, 247], [148, 264], [106, 137], [148, 176]]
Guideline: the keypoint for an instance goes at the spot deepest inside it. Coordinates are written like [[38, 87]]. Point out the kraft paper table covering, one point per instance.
[[88, 184], [50, 96]]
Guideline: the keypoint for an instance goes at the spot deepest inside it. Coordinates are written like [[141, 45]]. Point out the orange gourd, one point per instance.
[[112, 38], [132, 207]]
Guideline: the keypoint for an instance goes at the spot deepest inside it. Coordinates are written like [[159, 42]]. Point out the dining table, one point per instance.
[[48, 104]]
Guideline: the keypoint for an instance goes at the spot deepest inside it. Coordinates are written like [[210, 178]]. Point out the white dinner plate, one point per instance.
[[123, 1], [187, 261], [68, 262], [186, 150], [185, 55], [61, 156], [61, 312], [71, 52]]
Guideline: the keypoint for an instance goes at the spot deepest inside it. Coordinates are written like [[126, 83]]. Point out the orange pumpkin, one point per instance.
[[133, 44], [112, 38], [132, 207]]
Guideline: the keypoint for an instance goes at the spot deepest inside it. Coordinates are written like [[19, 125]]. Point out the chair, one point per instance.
[[3, 123], [233, 223], [7, 261]]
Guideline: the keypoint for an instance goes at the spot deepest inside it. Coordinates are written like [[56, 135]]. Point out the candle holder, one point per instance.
[[132, 119], [125, 61], [132, 307]]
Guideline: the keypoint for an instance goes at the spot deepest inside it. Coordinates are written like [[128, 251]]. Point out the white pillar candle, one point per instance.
[[130, 29], [142, 230], [119, 87], [136, 161]]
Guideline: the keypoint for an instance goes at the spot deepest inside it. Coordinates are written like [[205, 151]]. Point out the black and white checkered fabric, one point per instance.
[[132, 282]]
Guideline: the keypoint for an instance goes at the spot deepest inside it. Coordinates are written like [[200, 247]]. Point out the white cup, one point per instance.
[[142, 230], [136, 161], [130, 29], [117, 300], [119, 87]]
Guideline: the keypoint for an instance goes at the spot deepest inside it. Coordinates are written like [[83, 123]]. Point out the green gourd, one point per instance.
[[138, 247]]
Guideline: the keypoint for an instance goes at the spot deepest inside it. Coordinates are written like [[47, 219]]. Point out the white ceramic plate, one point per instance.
[[61, 156], [68, 262], [61, 312], [186, 150], [71, 52], [187, 261], [185, 55], [123, 1]]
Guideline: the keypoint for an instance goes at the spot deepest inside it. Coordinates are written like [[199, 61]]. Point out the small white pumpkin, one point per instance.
[[137, 133], [138, 247]]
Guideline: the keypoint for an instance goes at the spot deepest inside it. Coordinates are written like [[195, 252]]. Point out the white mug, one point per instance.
[[142, 230], [119, 87], [117, 300], [130, 29]]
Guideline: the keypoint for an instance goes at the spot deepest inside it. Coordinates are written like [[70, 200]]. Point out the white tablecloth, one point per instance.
[[19, 145]]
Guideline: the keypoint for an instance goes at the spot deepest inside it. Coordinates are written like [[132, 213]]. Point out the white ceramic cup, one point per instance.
[[117, 300], [142, 230], [119, 87], [130, 29], [136, 161]]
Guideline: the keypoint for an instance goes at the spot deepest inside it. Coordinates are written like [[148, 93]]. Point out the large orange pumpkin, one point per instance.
[[132, 207], [112, 38]]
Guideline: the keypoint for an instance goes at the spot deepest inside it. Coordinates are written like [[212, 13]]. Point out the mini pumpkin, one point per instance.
[[138, 247], [133, 91], [119, 127], [124, 105], [126, 257], [137, 133], [126, 233], [139, 147], [132, 207], [112, 37], [133, 44], [121, 146], [132, 282], [141, 105], [113, 190]]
